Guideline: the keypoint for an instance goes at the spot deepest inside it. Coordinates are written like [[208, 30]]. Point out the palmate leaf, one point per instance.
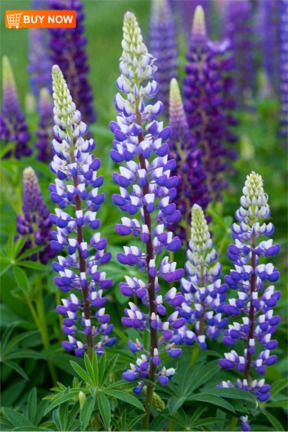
[[124, 397], [104, 409], [16, 418], [63, 397], [86, 412]]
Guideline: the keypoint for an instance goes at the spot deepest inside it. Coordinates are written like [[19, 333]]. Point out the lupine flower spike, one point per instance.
[[203, 291], [207, 105], [45, 124], [163, 46], [68, 52], [39, 60], [189, 169], [13, 127], [146, 188], [254, 302], [76, 194], [35, 222]]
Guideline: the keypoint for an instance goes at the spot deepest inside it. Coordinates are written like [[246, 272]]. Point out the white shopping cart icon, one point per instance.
[[14, 20]]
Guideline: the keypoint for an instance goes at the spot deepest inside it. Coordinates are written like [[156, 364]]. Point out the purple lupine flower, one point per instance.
[[239, 30], [45, 124], [203, 291], [13, 127], [163, 46], [189, 169], [208, 104], [69, 53], [39, 60], [146, 187], [77, 186], [284, 69], [254, 302], [35, 222]]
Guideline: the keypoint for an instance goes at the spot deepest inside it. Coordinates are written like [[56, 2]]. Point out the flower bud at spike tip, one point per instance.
[[198, 32]]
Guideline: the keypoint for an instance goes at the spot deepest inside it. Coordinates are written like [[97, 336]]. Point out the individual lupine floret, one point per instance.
[[208, 105], [203, 291], [35, 222], [189, 169], [239, 30], [163, 46], [254, 303], [146, 188], [76, 193], [13, 127], [40, 63], [45, 125], [69, 53]]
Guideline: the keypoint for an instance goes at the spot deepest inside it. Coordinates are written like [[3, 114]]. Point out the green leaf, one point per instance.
[[16, 418], [110, 365], [32, 405], [82, 373], [86, 412], [273, 420], [6, 149], [32, 428], [214, 400], [27, 353], [125, 397], [59, 400], [92, 369], [28, 253], [18, 369], [8, 317], [279, 385], [234, 393], [32, 265], [206, 373], [21, 279], [175, 403], [101, 369], [104, 409], [283, 403]]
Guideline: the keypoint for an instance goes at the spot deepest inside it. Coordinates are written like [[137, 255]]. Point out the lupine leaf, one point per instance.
[[273, 420], [21, 279], [16, 418], [283, 403], [59, 400], [92, 369], [18, 369], [125, 397], [32, 405], [277, 386], [86, 412], [110, 365], [104, 409], [175, 403], [82, 373], [206, 397], [206, 373]]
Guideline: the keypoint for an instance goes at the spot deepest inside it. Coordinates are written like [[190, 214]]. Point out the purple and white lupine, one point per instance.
[[238, 28], [68, 51], [76, 193], [202, 289], [146, 187], [45, 124], [284, 69], [255, 302], [189, 169], [34, 222], [163, 46], [40, 64], [13, 127], [208, 105]]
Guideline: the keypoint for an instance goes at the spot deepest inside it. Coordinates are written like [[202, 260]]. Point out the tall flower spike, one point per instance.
[[202, 290], [13, 127], [163, 46], [39, 60], [69, 53], [45, 125], [146, 188], [239, 30], [207, 103], [255, 302], [76, 189], [189, 169], [35, 222]]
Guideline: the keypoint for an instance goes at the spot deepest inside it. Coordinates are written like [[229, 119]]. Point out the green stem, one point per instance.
[[232, 424]]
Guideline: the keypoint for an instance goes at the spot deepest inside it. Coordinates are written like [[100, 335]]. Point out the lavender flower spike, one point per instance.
[[76, 187], [202, 290], [189, 170], [146, 188], [45, 124], [207, 103], [13, 127], [35, 222], [255, 302], [163, 46]]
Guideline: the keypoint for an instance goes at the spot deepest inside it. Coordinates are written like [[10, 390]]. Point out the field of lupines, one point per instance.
[[143, 216]]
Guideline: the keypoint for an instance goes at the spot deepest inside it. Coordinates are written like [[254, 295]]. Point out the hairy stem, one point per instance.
[[251, 310], [151, 292]]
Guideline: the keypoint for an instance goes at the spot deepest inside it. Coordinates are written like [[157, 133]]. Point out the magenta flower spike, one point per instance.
[[13, 127], [35, 222], [163, 46]]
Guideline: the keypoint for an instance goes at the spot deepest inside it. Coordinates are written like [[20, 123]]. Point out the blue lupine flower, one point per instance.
[[40, 63], [208, 103], [189, 168], [146, 188], [76, 187], [163, 46], [254, 303], [203, 291]]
